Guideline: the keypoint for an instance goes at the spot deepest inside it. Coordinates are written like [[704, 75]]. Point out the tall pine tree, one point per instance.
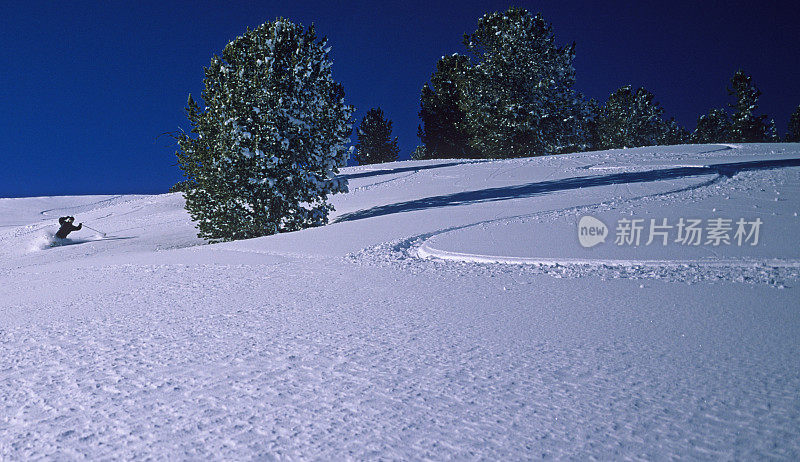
[[520, 99], [674, 133], [713, 127], [794, 127], [263, 155], [444, 132], [375, 144], [745, 125], [632, 118]]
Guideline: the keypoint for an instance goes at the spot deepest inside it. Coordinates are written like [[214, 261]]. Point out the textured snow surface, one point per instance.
[[447, 312]]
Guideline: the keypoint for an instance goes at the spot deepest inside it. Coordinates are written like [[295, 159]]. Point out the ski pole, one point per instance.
[[104, 234]]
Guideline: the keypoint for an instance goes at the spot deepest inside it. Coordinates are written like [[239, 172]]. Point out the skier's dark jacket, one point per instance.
[[67, 227]]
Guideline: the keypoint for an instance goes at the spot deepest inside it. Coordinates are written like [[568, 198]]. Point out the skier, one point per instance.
[[67, 227]]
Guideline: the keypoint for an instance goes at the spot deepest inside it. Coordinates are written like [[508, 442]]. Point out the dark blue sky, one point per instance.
[[87, 87]]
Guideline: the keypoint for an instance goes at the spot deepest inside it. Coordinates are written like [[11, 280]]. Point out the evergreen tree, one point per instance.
[[674, 133], [519, 96], [713, 127], [592, 135], [794, 127], [263, 155], [630, 119], [772, 132], [745, 125], [420, 153], [444, 131], [375, 144]]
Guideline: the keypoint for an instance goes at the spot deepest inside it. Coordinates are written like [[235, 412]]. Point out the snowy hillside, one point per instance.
[[449, 311]]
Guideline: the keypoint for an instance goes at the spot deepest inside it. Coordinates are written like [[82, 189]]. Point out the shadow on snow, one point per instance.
[[389, 171], [544, 187], [65, 242]]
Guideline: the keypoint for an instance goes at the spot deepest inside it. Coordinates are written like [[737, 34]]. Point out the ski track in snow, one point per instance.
[[766, 271], [150, 345], [777, 273]]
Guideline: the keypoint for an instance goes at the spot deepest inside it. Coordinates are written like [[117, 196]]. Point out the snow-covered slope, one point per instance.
[[448, 311]]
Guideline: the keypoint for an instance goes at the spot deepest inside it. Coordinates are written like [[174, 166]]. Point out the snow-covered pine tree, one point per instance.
[[444, 132], [592, 136], [263, 155], [630, 119], [772, 132], [794, 127], [745, 125], [674, 133], [520, 97], [713, 127], [420, 153], [375, 144]]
